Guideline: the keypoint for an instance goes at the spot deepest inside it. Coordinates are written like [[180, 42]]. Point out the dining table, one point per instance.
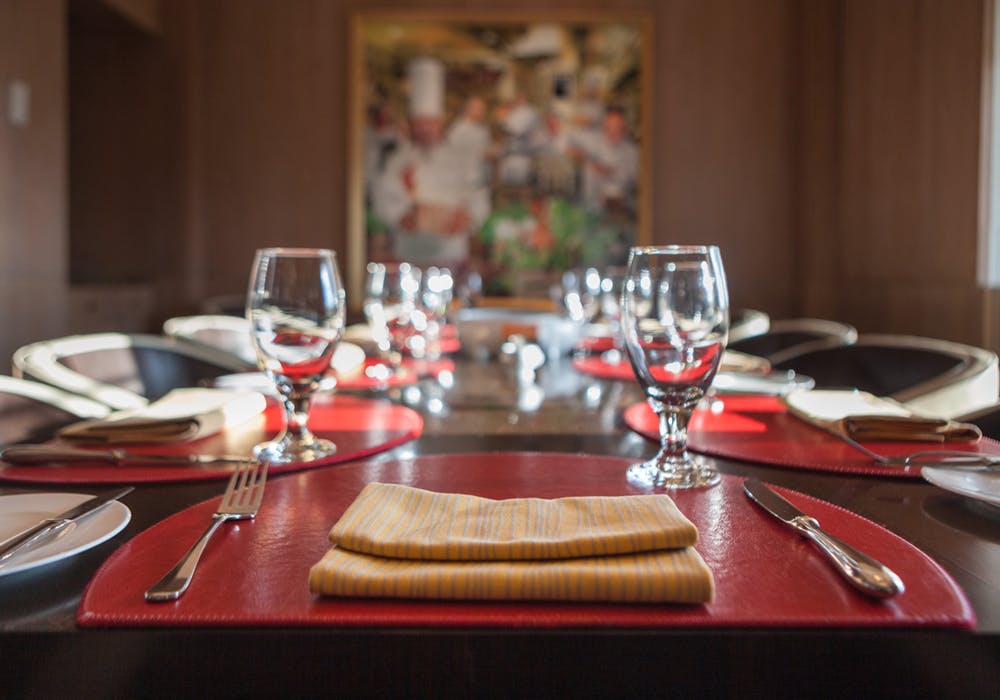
[[488, 407]]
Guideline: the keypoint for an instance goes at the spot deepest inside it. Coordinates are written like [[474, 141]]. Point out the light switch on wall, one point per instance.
[[18, 103]]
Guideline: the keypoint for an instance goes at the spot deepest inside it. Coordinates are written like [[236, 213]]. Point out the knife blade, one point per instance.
[[862, 571], [48, 527], [46, 454]]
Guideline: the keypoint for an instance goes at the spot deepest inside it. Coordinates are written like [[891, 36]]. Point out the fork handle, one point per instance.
[[175, 582]]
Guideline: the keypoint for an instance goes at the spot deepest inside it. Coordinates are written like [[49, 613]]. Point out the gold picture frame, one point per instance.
[[506, 145]]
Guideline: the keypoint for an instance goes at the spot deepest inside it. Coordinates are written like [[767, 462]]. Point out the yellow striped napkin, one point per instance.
[[402, 542]]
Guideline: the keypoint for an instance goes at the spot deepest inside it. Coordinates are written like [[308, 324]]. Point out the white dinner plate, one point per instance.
[[983, 486], [20, 511]]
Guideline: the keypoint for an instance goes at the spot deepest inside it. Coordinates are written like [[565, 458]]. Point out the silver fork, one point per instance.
[[949, 459], [241, 500]]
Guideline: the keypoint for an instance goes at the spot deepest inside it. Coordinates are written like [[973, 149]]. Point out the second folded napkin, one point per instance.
[[865, 417], [180, 416], [398, 541]]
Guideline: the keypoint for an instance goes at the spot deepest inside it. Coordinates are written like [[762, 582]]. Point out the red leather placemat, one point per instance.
[[760, 429], [411, 370], [359, 427], [594, 366], [255, 572]]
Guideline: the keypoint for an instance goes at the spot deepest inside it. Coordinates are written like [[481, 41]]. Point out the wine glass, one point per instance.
[[675, 320], [581, 291], [612, 282], [390, 300], [295, 305], [431, 308]]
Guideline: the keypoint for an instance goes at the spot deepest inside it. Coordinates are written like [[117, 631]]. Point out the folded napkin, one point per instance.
[[181, 415], [865, 417], [401, 542]]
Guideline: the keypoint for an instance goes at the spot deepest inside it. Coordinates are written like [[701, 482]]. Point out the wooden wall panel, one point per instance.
[[273, 120], [33, 280], [906, 173], [724, 141], [830, 147]]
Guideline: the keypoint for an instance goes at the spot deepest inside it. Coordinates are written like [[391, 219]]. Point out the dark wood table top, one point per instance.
[[484, 409]]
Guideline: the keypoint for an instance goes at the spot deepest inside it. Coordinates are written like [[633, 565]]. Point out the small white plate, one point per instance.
[[983, 486], [20, 511]]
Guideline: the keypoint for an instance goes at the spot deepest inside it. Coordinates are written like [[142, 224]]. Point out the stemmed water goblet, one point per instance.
[[612, 281], [295, 305], [431, 307], [581, 294], [391, 291], [675, 321]]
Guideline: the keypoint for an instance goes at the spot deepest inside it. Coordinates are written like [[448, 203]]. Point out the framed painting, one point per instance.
[[505, 146]]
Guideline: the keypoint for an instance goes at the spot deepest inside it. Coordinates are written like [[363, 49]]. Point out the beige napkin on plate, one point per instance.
[[402, 542], [865, 417], [181, 415]]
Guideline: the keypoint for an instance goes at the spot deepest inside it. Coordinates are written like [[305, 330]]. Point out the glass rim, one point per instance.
[[690, 249], [296, 252]]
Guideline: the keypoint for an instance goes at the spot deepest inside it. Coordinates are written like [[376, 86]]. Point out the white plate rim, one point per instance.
[[955, 481], [89, 532]]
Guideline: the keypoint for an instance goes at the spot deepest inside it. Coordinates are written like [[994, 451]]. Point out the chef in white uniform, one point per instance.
[[610, 165], [431, 195]]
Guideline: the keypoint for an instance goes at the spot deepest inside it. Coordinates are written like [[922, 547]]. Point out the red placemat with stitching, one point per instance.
[[359, 427], [254, 573], [760, 429]]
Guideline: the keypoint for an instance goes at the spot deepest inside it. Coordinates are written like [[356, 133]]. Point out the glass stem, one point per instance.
[[297, 413], [673, 432]]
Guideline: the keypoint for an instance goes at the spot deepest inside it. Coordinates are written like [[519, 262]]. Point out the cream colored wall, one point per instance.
[[33, 242]]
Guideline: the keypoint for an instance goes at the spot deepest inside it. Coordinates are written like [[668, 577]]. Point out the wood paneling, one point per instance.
[[274, 123], [33, 283], [898, 252], [830, 147]]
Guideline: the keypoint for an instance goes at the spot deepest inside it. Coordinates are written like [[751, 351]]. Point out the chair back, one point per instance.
[[929, 376], [791, 337], [33, 412], [121, 370], [229, 334]]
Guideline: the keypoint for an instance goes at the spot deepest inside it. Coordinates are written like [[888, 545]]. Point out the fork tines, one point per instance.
[[246, 489]]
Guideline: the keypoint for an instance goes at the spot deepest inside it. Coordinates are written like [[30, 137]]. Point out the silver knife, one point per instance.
[[52, 526], [45, 454], [866, 574]]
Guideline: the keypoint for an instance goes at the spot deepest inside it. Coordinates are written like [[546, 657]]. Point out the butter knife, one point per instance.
[[52, 526], [45, 454], [864, 573]]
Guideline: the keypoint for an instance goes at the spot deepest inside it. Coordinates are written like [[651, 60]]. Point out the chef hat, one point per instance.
[[426, 78]]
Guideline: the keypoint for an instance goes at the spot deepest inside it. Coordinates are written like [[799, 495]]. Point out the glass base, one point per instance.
[[689, 474], [287, 451]]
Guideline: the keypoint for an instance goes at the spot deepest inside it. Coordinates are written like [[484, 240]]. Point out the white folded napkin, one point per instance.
[[864, 416], [181, 415]]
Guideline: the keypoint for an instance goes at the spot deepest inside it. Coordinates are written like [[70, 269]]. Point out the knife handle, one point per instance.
[[864, 573], [43, 454]]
